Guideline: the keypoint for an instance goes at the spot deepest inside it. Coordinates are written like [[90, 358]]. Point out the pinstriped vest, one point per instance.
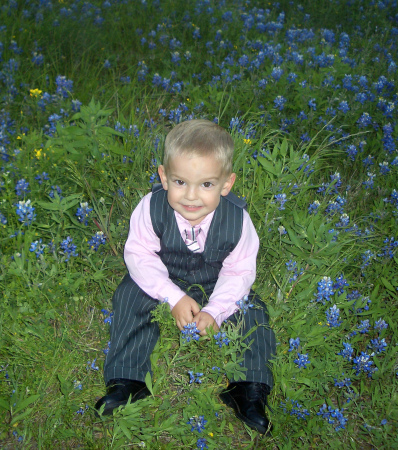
[[185, 267]]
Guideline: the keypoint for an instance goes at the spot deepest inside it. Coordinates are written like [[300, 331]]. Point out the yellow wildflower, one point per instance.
[[35, 92]]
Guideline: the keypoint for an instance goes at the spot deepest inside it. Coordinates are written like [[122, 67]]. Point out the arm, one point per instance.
[[144, 265], [236, 276], [147, 269]]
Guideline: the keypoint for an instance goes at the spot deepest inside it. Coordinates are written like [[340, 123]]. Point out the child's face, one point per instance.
[[194, 185]]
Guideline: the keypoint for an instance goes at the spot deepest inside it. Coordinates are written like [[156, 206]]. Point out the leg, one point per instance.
[[257, 357], [249, 398], [133, 335]]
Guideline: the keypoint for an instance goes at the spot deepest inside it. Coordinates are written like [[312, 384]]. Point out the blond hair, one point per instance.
[[200, 137]]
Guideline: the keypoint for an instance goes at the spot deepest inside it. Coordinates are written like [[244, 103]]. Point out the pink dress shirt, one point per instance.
[[147, 269]]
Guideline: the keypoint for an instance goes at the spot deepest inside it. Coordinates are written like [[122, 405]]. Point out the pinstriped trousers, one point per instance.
[[134, 336]]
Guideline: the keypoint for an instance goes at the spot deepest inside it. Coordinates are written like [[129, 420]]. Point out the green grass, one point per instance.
[[52, 330]]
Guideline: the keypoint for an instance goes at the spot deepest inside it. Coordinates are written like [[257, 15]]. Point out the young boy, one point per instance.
[[190, 231]]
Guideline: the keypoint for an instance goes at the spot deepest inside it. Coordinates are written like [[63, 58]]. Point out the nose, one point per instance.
[[190, 193]]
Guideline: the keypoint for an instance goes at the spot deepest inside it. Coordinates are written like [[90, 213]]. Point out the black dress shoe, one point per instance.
[[248, 400], [118, 392]]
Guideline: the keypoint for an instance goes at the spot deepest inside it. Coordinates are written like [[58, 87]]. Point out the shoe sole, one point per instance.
[[138, 396], [226, 398]]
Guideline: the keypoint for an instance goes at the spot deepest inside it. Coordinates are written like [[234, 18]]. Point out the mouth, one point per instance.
[[191, 208]]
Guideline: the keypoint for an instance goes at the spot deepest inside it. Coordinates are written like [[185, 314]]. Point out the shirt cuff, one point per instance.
[[217, 313], [171, 294]]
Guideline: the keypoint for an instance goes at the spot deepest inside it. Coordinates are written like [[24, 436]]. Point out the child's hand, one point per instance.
[[204, 320], [184, 311]]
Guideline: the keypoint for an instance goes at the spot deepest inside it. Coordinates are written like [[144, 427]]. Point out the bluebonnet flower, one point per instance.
[[37, 247], [347, 351], [282, 230], [325, 290], [64, 86], [380, 325], [21, 187], [364, 120], [312, 104], [91, 365], [83, 213], [276, 73], [42, 177], [367, 258], [279, 102], [3, 219], [195, 378], [292, 77], [343, 107], [107, 348], [55, 189], [294, 344], [98, 239], [190, 332], [333, 415], [281, 199], [295, 409], [378, 345], [81, 410], [369, 183], [352, 152], [291, 265], [364, 326], [389, 249], [107, 64], [332, 317], [197, 423], [344, 221], [384, 169], [25, 212], [68, 248], [345, 383], [77, 385], [340, 284], [368, 161], [221, 339], [76, 104], [302, 360], [363, 363], [313, 208], [107, 316], [244, 304], [201, 443]]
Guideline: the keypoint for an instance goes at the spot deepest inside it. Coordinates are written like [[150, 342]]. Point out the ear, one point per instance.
[[163, 177], [228, 184]]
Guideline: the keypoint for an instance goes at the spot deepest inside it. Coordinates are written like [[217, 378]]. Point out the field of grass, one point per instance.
[[88, 91]]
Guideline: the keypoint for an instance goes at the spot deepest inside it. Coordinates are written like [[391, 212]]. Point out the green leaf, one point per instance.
[[22, 405], [387, 284], [148, 382]]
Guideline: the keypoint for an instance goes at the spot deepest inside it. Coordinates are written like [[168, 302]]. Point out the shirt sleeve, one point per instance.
[[236, 275], [144, 265]]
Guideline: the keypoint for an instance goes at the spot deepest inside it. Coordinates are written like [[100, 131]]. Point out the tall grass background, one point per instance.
[[88, 91]]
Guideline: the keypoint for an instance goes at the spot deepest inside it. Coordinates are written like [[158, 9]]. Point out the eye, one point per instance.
[[207, 184], [179, 182]]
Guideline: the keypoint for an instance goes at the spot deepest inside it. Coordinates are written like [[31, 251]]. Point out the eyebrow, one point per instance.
[[172, 175]]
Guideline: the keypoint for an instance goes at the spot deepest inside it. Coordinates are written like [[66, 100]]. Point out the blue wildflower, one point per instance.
[[83, 213], [332, 317], [347, 351], [333, 415], [98, 239], [221, 339], [244, 304], [68, 248], [363, 363], [190, 332], [195, 378], [294, 344], [197, 423], [25, 212], [302, 360]]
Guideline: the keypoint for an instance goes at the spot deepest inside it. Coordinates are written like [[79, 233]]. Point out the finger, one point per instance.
[[195, 308]]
